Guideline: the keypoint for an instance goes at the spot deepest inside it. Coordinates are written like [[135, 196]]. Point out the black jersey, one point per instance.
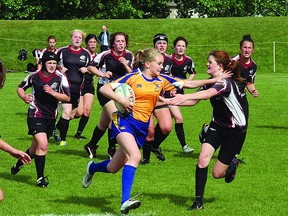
[[73, 61], [167, 64], [181, 68], [248, 72], [44, 105], [227, 106], [108, 61], [88, 77]]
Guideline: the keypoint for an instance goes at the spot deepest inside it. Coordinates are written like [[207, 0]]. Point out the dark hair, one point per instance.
[[51, 37], [160, 36], [113, 37], [248, 38], [179, 39], [142, 56], [89, 37], [2, 74], [222, 57]]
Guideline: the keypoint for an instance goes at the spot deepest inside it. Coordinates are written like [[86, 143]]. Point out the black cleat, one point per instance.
[[145, 161], [42, 182], [15, 169], [79, 137], [91, 151], [196, 206], [231, 170], [158, 153]]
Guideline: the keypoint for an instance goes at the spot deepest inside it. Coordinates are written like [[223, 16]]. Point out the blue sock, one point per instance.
[[128, 174], [99, 167]]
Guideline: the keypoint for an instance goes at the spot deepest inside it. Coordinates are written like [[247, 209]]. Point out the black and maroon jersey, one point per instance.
[[73, 61], [88, 77], [248, 72], [181, 68], [108, 61], [44, 105], [227, 106], [167, 64]]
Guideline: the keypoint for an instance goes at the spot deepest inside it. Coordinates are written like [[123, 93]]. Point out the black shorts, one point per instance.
[[74, 95], [88, 89], [230, 141], [101, 98], [40, 125]]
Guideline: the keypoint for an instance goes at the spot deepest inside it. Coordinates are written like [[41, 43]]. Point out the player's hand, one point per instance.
[[226, 74], [22, 156], [178, 99], [108, 74], [28, 98], [48, 89], [255, 93], [84, 70]]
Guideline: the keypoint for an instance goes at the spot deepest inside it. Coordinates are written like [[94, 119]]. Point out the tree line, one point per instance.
[[136, 9]]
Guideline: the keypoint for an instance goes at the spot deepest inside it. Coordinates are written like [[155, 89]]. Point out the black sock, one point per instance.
[[40, 165], [97, 135], [19, 163], [82, 123], [111, 142], [147, 150], [159, 137], [62, 126], [201, 178], [180, 133]]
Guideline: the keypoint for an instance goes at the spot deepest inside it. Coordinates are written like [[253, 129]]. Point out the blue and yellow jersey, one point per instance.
[[147, 91]]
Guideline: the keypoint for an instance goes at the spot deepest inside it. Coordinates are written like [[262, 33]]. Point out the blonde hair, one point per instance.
[[78, 31], [146, 55]]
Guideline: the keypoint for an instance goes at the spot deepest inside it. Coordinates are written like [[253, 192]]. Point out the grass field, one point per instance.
[[167, 187]]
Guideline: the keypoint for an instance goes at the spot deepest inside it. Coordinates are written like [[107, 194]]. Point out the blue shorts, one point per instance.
[[126, 123]]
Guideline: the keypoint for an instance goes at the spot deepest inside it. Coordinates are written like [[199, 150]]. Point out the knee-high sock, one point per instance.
[[147, 150], [201, 179], [99, 167], [128, 174], [62, 126], [112, 142], [40, 165], [19, 163], [180, 133], [82, 123], [159, 137], [97, 135]]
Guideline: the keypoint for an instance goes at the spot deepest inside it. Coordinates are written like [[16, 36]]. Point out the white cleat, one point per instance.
[[87, 179], [129, 205], [187, 149]]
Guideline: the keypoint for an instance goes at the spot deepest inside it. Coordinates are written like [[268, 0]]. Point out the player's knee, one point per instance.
[[203, 162], [217, 174]]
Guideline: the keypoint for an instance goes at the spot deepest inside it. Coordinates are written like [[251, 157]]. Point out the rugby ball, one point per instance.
[[124, 90]]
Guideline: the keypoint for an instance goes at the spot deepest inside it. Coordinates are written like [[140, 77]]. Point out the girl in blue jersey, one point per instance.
[[49, 86], [131, 130], [227, 127]]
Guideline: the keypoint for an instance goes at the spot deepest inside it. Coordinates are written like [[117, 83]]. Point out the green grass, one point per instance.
[[167, 187], [203, 35]]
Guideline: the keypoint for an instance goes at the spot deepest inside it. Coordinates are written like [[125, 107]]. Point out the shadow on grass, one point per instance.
[[101, 203], [176, 199], [17, 178], [272, 127], [80, 153]]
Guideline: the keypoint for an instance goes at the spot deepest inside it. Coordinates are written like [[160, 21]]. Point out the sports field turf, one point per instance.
[[167, 188]]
